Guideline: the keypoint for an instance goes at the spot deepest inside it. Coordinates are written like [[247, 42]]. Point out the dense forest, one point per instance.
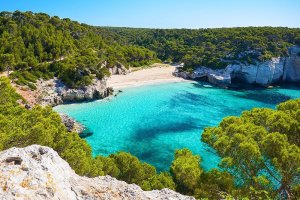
[[260, 152], [214, 48], [39, 46], [35, 45]]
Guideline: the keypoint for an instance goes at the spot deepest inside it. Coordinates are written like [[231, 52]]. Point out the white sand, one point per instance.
[[145, 76]]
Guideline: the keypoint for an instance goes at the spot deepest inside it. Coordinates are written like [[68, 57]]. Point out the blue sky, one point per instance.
[[167, 13]]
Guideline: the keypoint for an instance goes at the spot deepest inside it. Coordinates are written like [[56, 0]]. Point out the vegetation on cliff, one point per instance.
[[36, 45]]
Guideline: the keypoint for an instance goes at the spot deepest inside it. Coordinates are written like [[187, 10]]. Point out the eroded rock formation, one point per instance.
[[54, 92], [37, 172], [285, 69]]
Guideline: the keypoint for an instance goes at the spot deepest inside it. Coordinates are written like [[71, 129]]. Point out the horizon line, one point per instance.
[[161, 28]]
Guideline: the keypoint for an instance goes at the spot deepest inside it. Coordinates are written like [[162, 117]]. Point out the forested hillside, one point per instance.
[[214, 48], [36, 45]]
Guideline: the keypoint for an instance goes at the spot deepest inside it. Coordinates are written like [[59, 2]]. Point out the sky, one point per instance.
[[167, 13]]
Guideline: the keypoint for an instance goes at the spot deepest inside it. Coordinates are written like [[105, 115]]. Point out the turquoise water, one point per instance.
[[152, 121]]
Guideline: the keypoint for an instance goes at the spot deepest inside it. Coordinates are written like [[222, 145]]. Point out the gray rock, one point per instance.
[[54, 92], [264, 73], [221, 81], [292, 65], [119, 69], [37, 172], [71, 124]]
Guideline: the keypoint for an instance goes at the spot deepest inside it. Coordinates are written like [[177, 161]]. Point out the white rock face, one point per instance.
[[37, 172], [118, 69], [53, 92], [292, 65], [285, 69], [263, 74]]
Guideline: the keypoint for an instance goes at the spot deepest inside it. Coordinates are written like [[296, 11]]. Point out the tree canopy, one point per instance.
[[214, 48], [261, 149]]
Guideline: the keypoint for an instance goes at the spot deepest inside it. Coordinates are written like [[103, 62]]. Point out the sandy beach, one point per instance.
[[147, 76]]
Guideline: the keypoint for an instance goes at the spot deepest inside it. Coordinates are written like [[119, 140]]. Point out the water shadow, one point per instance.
[[188, 101], [159, 127], [265, 96]]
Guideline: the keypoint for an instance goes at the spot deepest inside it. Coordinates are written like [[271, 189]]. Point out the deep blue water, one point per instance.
[[152, 121]]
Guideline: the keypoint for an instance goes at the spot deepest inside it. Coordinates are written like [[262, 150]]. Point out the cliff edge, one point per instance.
[[37, 172]]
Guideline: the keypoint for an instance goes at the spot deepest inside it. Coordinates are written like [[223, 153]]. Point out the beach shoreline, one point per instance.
[[147, 76]]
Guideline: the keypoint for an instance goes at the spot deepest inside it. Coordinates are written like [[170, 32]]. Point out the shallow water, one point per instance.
[[152, 121]]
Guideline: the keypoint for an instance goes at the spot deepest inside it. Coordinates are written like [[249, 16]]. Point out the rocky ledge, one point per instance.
[[71, 124], [280, 69], [53, 92], [37, 172]]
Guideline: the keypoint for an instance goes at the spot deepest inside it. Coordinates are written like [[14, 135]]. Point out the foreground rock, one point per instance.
[[37, 172], [285, 69], [54, 92]]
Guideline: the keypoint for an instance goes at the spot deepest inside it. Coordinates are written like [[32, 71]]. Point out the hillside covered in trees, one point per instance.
[[214, 48], [36, 45], [260, 151], [40, 46]]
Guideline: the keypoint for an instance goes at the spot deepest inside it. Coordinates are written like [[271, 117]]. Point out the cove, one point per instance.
[[152, 121]]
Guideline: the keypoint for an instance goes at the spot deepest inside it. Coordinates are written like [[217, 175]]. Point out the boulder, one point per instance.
[[37, 172], [221, 81]]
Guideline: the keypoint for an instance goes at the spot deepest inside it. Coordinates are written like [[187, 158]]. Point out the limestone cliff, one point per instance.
[[285, 69], [37, 172], [53, 92]]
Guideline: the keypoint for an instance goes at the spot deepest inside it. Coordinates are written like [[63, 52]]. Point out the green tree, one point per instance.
[[6, 62], [256, 150], [186, 170]]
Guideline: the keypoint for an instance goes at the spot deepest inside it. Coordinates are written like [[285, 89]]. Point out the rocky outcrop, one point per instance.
[[71, 124], [285, 69], [264, 73], [53, 92], [37, 172], [119, 69]]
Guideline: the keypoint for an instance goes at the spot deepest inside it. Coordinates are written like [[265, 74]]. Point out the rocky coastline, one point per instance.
[[53, 92], [71, 124], [276, 70]]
